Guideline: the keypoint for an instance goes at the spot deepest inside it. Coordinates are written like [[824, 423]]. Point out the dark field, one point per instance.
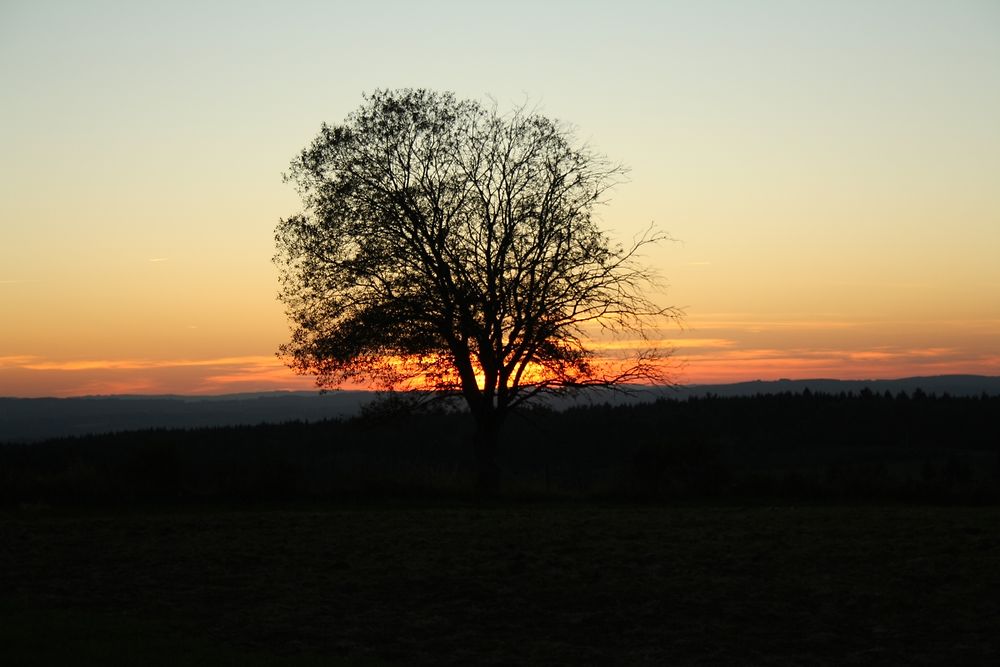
[[580, 583]]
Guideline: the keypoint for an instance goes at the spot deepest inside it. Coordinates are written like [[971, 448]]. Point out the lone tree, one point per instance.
[[447, 247]]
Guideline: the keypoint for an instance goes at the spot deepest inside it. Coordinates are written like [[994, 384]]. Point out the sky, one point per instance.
[[830, 172]]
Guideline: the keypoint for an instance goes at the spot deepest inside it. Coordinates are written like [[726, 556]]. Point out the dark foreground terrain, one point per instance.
[[519, 584], [794, 529]]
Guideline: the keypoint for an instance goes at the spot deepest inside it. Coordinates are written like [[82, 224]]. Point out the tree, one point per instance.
[[448, 247]]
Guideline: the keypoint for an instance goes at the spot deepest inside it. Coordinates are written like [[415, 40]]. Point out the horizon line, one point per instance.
[[634, 387]]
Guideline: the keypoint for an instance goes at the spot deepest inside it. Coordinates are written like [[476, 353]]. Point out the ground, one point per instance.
[[513, 584]]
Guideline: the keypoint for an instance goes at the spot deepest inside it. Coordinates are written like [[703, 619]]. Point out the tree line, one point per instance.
[[787, 447]]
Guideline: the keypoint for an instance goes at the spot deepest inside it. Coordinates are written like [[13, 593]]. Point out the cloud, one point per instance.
[[16, 361], [873, 355], [25, 375], [31, 363], [277, 377], [662, 343], [932, 352], [697, 323], [735, 364], [878, 284]]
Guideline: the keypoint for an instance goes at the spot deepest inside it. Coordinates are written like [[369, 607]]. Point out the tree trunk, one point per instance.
[[486, 441]]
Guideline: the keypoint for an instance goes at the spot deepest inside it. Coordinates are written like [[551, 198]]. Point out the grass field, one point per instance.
[[514, 584]]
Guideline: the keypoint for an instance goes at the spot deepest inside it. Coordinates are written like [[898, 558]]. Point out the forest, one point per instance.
[[792, 447]]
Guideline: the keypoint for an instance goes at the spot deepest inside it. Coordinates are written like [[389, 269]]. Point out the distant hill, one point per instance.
[[954, 385], [31, 419]]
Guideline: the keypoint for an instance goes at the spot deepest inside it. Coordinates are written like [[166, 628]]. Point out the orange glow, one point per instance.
[[710, 349], [31, 376], [696, 361], [425, 372], [773, 364]]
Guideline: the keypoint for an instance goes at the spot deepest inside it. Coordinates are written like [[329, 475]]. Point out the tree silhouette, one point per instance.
[[445, 246]]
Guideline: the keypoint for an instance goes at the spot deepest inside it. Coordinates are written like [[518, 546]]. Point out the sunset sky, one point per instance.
[[830, 172]]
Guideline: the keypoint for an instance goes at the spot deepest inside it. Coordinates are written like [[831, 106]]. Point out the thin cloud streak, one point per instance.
[[16, 361], [146, 364], [760, 325], [664, 344]]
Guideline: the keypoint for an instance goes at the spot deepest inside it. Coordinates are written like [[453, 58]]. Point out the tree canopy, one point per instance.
[[448, 246]]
